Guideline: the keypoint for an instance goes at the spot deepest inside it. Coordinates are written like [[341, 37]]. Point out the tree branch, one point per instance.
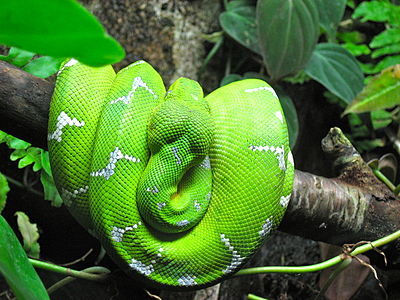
[[352, 207]]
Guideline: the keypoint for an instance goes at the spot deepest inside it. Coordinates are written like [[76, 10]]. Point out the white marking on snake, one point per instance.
[[141, 267], [290, 158], [284, 201], [137, 83], [63, 120], [262, 88], [206, 163], [139, 62], [208, 196], [278, 151], [115, 156], [187, 280], [266, 227], [178, 159], [236, 258], [182, 223], [67, 196], [278, 114], [117, 233], [160, 250], [197, 205], [69, 63], [161, 205], [153, 190]]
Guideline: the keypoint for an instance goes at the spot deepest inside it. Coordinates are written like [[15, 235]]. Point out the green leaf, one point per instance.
[[356, 50], [4, 189], [50, 190], [17, 57], [16, 143], [288, 32], [290, 115], [230, 78], [45, 161], [44, 66], [61, 28], [240, 24], [32, 155], [30, 234], [390, 49], [16, 268], [377, 11], [336, 69], [330, 14], [388, 37], [382, 91], [3, 137], [231, 5], [380, 119]]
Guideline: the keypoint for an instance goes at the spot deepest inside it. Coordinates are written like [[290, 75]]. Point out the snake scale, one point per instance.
[[180, 189]]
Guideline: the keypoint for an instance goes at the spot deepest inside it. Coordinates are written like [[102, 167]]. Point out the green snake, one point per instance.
[[180, 189]]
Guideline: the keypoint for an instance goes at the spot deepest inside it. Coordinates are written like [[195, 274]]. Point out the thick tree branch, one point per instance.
[[354, 206]]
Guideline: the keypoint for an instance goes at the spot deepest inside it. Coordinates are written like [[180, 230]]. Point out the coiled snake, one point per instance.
[[180, 189]]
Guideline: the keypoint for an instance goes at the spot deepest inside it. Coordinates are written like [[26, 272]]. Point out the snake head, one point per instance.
[[182, 121]]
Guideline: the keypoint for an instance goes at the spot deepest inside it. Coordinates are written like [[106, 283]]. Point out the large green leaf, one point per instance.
[[382, 91], [239, 22], [287, 32], [330, 14], [4, 189], [16, 268], [336, 69], [61, 28]]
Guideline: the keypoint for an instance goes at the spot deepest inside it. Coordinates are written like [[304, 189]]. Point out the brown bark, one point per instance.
[[354, 206]]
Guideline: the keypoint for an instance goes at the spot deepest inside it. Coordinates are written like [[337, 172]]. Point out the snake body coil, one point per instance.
[[180, 189]]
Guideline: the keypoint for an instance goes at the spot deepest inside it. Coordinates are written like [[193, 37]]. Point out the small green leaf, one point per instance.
[[336, 69], [240, 24], [382, 91], [59, 29], [16, 143], [17, 57], [380, 119], [377, 11], [30, 234], [44, 66], [50, 190], [16, 268], [288, 31], [4, 189], [3, 137], [45, 161], [330, 14], [388, 37], [356, 50]]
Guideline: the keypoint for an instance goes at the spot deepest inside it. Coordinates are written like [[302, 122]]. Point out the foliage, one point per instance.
[[30, 234], [4, 189], [38, 158], [65, 28], [16, 268], [43, 67], [287, 46], [287, 32], [382, 91]]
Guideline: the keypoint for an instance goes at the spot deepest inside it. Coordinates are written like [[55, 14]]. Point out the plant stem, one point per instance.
[[384, 179], [102, 272], [322, 265], [69, 279], [254, 297]]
